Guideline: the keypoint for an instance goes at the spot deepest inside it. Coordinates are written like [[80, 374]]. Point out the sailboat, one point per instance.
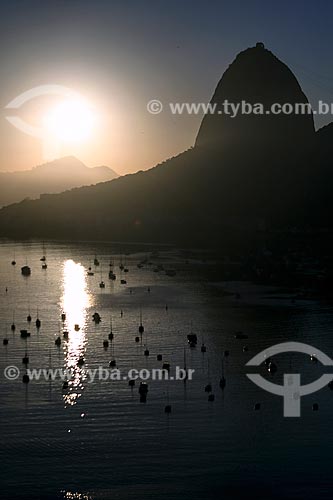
[[122, 280], [13, 326], [185, 368], [222, 379], [167, 408], [111, 332], [112, 275], [90, 272], [141, 327], [101, 283], [208, 386], [29, 318], [113, 362], [38, 321], [43, 258]]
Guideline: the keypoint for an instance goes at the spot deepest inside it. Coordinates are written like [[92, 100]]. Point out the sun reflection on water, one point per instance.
[[75, 303]]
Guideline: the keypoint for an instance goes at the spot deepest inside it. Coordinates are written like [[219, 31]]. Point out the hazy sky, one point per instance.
[[121, 54]]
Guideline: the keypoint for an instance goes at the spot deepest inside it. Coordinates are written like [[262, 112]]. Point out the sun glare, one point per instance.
[[71, 121]]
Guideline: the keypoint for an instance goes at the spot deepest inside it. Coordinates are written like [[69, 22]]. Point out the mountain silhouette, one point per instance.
[[54, 177], [243, 175], [256, 76]]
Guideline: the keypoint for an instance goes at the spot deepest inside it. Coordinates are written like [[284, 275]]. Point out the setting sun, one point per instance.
[[70, 121]]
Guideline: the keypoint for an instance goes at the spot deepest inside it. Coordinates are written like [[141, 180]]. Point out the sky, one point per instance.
[[120, 55]]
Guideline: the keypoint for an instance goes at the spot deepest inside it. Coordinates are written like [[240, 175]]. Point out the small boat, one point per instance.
[[5, 341], [25, 359], [29, 318], [112, 363], [90, 272], [146, 352], [137, 339], [192, 339], [143, 388], [25, 378], [38, 323], [57, 341], [96, 317], [313, 358], [80, 361], [25, 270], [131, 382], [44, 266], [159, 357], [77, 327], [241, 336], [112, 276], [13, 262], [167, 409], [208, 388], [63, 317], [123, 282], [257, 407], [96, 262], [166, 366], [65, 384], [102, 284], [222, 382], [105, 344], [24, 334], [203, 348], [170, 272], [65, 335], [211, 397]]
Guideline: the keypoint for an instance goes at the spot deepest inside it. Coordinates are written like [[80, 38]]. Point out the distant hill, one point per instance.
[[243, 175], [53, 177]]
